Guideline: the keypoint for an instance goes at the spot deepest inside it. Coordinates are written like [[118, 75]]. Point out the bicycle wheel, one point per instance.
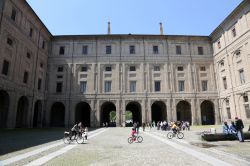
[[180, 135], [130, 140], [170, 135], [79, 139], [66, 140], [139, 139]]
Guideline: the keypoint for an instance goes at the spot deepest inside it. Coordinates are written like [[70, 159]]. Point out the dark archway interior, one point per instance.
[[37, 117], [22, 112], [82, 114], [106, 109], [184, 111], [135, 108], [4, 108], [207, 113], [57, 115], [158, 111]]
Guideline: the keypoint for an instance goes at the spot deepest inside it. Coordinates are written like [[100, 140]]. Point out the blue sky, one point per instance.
[[179, 17]]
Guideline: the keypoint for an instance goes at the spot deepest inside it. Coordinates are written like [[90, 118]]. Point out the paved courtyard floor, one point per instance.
[[109, 146]]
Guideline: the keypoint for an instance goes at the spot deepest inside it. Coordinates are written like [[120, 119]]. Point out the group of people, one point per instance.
[[78, 128], [166, 126], [235, 128]]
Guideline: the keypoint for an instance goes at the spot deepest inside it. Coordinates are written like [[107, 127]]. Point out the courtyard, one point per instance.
[[109, 146]]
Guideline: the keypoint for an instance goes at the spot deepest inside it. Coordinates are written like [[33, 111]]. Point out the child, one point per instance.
[[133, 132]]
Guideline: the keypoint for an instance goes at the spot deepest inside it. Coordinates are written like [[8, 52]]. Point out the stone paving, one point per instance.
[[111, 148]]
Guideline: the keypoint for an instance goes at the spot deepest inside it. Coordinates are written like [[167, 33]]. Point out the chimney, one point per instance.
[[161, 29], [109, 29]]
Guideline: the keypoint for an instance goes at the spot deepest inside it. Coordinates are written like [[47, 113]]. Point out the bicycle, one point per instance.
[[68, 137], [172, 134], [134, 138]]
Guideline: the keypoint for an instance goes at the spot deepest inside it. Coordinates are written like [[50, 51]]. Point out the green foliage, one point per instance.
[[112, 116], [129, 115]]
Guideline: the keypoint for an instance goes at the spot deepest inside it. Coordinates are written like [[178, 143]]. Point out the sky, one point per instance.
[[179, 17]]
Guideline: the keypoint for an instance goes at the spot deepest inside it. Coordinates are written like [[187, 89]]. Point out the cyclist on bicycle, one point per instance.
[[133, 132], [74, 130], [174, 127]]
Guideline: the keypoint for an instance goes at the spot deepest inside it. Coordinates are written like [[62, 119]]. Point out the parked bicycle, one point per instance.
[[69, 137], [134, 138], [172, 134]]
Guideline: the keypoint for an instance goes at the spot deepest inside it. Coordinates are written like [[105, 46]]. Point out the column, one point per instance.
[[11, 121], [173, 110], [123, 112], [169, 112], [143, 111], [216, 112], [149, 111], [198, 112], [193, 105], [118, 112]]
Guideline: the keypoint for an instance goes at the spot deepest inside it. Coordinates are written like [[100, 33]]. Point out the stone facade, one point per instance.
[[59, 80]]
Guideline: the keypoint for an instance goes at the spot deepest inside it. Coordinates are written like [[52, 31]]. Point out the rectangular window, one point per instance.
[[234, 32], [202, 68], [219, 45], [132, 49], [242, 76], [60, 69], [43, 45], [31, 32], [132, 86], [181, 86], [247, 109], [41, 65], [25, 77], [9, 41], [180, 68], [157, 86], [84, 69], [85, 50], [83, 86], [39, 84], [107, 86], [245, 99], [157, 68], [178, 50], [155, 50], [62, 50], [59, 76], [204, 85], [132, 68], [229, 113], [200, 51], [59, 87], [5, 68], [224, 82], [108, 68], [108, 50], [13, 14], [28, 55], [222, 64]]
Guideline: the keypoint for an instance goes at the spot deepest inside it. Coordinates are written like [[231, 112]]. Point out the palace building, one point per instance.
[[49, 80]]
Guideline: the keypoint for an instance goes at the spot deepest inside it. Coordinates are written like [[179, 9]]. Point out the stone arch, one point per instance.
[[37, 116], [4, 108], [22, 112], [207, 113], [158, 111], [83, 113], [106, 109], [57, 115], [183, 111], [135, 108]]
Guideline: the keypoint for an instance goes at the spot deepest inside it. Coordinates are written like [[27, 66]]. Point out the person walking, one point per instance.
[[239, 127], [143, 126]]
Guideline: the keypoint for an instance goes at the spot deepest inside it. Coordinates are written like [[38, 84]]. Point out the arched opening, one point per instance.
[[108, 114], [82, 113], [183, 110], [22, 112], [57, 115], [37, 116], [134, 108], [158, 111], [4, 108], [207, 113]]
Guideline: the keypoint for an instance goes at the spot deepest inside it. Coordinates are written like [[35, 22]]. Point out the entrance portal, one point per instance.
[[57, 115], [183, 109], [22, 112], [4, 108], [82, 114], [207, 113], [37, 117], [108, 114], [135, 109], [158, 111]]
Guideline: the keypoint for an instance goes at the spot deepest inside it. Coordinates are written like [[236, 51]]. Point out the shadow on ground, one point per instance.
[[18, 139]]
